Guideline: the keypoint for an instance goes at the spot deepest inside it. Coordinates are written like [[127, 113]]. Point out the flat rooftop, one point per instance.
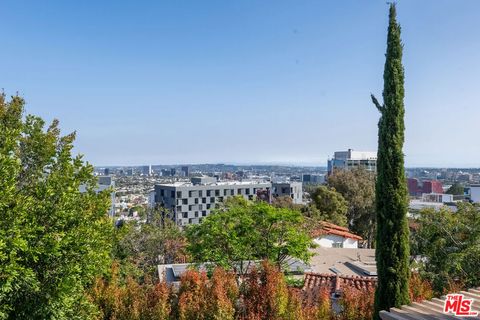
[[218, 183], [343, 261]]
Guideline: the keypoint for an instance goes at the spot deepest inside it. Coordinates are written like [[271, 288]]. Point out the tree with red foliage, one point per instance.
[[265, 294], [356, 304]]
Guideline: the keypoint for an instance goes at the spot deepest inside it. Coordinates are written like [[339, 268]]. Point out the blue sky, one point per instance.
[[266, 81]]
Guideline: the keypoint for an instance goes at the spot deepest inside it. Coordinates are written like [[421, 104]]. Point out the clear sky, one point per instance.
[[237, 81]]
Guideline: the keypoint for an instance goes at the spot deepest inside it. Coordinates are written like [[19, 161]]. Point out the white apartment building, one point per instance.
[[191, 201]]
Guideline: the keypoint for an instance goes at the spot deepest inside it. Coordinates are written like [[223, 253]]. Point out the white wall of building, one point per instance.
[[329, 241]]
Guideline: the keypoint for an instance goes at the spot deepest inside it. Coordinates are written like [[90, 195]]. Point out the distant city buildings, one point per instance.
[[186, 171], [353, 159], [106, 171], [191, 201], [417, 188], [434, 201], [312, 178], [147, 170]]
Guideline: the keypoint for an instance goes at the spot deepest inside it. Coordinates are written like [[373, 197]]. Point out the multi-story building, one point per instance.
[[292, 189], [313, 178], [353, 159], [191, 201], [474, 192], [417, 188], [186, 171], [147, 170]]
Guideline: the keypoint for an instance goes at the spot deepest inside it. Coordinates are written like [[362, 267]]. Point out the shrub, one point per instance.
[[356, 304], [420, 289]]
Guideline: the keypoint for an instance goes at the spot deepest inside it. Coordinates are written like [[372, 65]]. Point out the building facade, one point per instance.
[[417, 188], [147, 170], [353, 159], [313, 178], [292, 189], [474, 193], [191, 201]]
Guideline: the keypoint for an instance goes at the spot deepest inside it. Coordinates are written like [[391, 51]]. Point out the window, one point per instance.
[[247, 191], [225, 192], [208, 206], [217, 193], [232, 192], [212, 200], [179, 194], [172, 194], [200, 193], [190, 194], [239, 191], [209, 193], [179, 208], [185, 214], [196, 214], [184, 201], [337, 245], [204, 200], [162, 193], [204, 213], [196, 200]]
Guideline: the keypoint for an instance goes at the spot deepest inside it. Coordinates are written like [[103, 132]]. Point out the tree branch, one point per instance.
[[376, 103]]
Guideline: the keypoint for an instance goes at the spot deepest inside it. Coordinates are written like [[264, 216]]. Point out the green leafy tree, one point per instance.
[[285, 202], [456, 189], [54, 239], [330, 206], [392, 240], [357, 186], [449, 245], [243, 230], [140, 247]]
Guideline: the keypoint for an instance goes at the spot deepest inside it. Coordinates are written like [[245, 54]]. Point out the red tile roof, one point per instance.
[[335, 283], [330, 228]]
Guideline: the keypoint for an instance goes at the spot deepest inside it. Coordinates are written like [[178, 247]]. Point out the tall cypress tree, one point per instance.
[[392, 251]]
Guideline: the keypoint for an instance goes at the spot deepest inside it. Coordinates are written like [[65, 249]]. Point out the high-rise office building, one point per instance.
[[147, 170], [353, 159]]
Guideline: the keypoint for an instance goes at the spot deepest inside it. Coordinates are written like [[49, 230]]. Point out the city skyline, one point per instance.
[[218, 83]]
